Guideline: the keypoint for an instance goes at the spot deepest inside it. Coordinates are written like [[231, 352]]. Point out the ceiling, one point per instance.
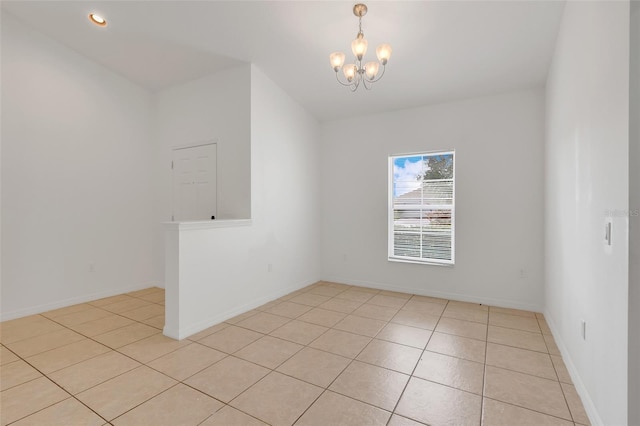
[[442, 50]]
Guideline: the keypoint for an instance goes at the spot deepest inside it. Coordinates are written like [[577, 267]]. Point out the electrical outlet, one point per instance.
[[344, 257], [269, 267], [583, 329], [92, 266], [523, 273]]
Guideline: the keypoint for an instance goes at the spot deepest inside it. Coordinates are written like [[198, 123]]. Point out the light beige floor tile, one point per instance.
[[269, 351], [561, 369], [575, 404], [341, 343], [364, 289], [227, 379], [373, 385], [405, 335], [16, 373], [435, 404], [468, 305], [56, 359], [340, 305], [65, 413], [289, 309], [314, 366], [424, 307], [67, 310], [355, 295], [299, 332], [6, 356], [263, 322], [496, 413], [35, 345], [242, 316], [84, 375], [156, 322], [81, 317], [461, 347], [451, 371], [544, 327], [152, 347], [269, 305], [27, 398], [230, 339], [462, 328], [397, 420], [390, 301], [179, 405], [145, 291], [467, 314], [551, 345], [334, 409], [514, 321], [102, 325], [309, 299], [157, 297], [390, 355], [24, 328], [383, 313], [517, 338], [208, 331], [187, 361], [322, 317], [229, 416], [110, 300], [122, 393], [430, 299], [416, 319], [277, 399], [359, 325], [144, 312], [126, 305], [326, 291], [517, 312], [524, 390], [522, 360], [125, 335], [398, 294]]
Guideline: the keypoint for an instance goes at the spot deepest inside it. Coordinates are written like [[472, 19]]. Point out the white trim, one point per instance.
[[587, 402], [33, 310], [206, 224]]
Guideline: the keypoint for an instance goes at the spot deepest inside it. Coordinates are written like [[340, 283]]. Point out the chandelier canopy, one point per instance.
[[356, 73]]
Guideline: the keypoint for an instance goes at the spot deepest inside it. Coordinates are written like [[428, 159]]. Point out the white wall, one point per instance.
[[634, 225], [215, 107], [76, 176], [499, 183], [226, 270], [587, 175]]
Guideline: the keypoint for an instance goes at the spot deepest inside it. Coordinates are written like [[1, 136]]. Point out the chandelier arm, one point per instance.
[[384, 67], [348, 84]]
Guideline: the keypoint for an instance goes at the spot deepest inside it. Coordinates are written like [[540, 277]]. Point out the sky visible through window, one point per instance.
[[407, 172]]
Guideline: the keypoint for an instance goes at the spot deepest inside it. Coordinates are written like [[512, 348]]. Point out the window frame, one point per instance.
[[391, 218]]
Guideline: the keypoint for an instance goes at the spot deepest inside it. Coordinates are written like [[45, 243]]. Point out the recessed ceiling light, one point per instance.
[[98, 20]]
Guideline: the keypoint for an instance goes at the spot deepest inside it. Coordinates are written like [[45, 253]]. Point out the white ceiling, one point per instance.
[[443, 50]]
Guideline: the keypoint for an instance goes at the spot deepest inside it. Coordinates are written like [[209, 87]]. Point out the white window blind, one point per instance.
[[422, 208]]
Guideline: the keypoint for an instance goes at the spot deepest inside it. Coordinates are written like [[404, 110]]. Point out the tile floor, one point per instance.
[[328, 354]]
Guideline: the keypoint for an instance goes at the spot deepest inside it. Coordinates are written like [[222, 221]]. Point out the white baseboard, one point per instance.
[[503, 303], [587, 402], [32, 310], [192, 329]]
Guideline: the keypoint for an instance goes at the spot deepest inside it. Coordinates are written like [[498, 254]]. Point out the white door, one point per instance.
[[194, 183]]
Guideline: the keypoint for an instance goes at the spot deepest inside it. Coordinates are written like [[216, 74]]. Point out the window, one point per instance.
[[422, 208]]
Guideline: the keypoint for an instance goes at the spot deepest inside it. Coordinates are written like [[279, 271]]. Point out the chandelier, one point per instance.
[[356, 73]]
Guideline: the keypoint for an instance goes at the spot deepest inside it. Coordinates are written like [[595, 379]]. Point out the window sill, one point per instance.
[[420, 262]]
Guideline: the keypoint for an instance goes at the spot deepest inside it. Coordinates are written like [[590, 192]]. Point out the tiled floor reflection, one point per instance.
[[329, 354]]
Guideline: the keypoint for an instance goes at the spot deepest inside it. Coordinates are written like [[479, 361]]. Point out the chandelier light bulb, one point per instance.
[[371, 69], [349, 71], [337, 60], [384, 53], [359, 46]]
